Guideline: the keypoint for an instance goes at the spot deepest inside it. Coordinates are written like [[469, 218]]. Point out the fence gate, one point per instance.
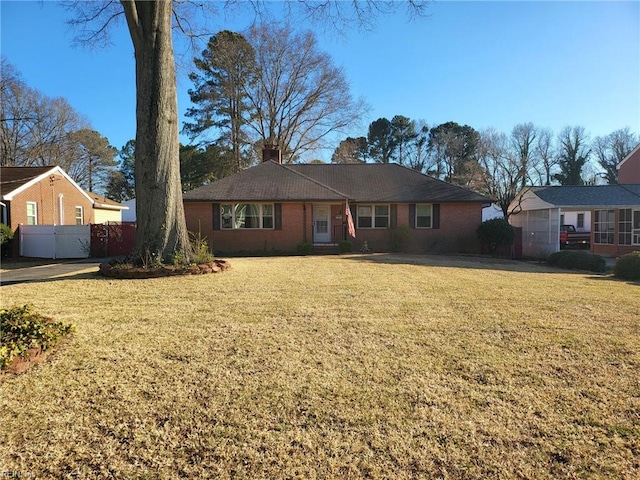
[[112, 239], [54, 241]]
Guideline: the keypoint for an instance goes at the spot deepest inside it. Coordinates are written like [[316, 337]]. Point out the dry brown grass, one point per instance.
[[333, 367]]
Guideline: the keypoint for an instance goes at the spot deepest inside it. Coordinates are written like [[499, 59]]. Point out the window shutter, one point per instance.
[[277, 210], [393, 216], [216, 216], [436, 215], [412, 215]]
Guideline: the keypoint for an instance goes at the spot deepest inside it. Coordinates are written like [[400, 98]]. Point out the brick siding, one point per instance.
[[46, 196], [457, 232]]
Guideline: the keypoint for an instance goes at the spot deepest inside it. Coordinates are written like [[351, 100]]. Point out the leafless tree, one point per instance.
[[300, 97], [502, 164], [523, 138], [611, 149], [546, 154], [34, 128]]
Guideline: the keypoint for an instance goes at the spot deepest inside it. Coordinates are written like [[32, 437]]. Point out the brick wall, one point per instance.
[[295, 217], [457, 232], [629, 171], [46, 195]]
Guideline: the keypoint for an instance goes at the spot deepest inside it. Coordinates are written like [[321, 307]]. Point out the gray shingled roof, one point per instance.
[[591, 195], [270, 181]]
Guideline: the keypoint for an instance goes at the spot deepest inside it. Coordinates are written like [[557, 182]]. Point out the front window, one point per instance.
[[624, 226], [423, 216], [636, 227], [373, 216], [79, 216], [32, 213], [604, 226], [580, 221], [246, 215]]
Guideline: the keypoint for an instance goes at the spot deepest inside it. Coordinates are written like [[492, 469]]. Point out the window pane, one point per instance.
[[365, 213], [252, 216], [364, 210], [382, 222], [423, 216], [226, 214], [364, 222], [31, 213], [382, 210]]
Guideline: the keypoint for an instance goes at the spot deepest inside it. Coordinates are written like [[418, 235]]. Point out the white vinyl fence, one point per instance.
[[55, 241]]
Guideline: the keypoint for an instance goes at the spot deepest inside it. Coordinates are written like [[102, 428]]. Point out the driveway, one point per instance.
[[45, 271]]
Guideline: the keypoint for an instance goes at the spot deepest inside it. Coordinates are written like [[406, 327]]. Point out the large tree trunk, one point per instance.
[[161, 229]]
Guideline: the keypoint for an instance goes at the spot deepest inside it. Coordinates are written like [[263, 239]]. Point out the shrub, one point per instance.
[[200, 249], [496, 232], [345, 246], [577, 260], [398, 238], [6, 233], [21, 328], [304, 248], [627, 267]]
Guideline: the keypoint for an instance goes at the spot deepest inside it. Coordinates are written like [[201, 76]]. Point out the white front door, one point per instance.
[[321, 221]]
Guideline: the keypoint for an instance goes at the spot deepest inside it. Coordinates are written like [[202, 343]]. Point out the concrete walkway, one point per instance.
[[58, 268]]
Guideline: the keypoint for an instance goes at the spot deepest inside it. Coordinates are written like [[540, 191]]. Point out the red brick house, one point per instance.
[[48, 196], [274, 207], [629, 168]]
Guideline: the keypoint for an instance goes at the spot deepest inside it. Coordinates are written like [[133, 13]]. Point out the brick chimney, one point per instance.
[[271, 152]]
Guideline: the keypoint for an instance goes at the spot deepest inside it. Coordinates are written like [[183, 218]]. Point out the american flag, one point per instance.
[[350, 227]]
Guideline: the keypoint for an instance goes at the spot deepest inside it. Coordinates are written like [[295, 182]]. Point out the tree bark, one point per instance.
[[161, 226]]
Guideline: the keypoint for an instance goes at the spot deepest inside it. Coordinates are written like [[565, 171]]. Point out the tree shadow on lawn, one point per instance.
[[465, 261], [94, 275]]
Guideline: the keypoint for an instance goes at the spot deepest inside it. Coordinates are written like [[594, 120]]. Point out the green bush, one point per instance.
[[345, 246], [200, 249], [496, 232], [21, 328], [578, 260], [627, 267], [6, 233], [304, 248], [398, 238]]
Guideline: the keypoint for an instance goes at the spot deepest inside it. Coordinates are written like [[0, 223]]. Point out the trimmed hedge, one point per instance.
[[578, 260], [627, 267]]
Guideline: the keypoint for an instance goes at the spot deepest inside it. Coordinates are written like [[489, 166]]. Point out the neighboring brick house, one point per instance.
[[48, 196], [629, 168], [610, 212], [274, 207]]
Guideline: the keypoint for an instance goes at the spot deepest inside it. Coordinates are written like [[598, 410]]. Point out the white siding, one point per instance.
[[104, 216]]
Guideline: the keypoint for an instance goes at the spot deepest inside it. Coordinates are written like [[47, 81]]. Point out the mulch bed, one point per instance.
[[115, 271]]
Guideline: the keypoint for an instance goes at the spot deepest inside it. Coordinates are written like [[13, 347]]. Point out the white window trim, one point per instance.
[[373, 215], [430, 216], [35, 213], [81, 215], [233, 217]]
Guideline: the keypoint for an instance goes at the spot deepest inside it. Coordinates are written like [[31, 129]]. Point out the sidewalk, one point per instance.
[[58, 268]]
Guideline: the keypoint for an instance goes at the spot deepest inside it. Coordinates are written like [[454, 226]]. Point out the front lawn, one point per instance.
[[373, 366]]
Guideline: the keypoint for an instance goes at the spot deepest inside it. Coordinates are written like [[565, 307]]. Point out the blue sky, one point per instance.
[[485, 64]]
